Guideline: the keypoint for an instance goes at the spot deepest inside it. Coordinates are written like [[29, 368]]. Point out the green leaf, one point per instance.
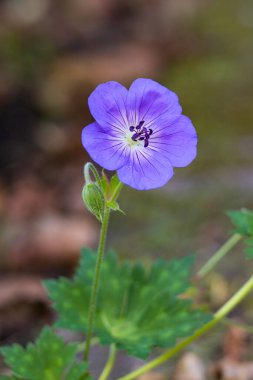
[[138, 309], [249, 248], [242, 221], [48, 359]]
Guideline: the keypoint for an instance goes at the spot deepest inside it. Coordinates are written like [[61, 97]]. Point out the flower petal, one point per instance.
[[148, 100], [175, 139], [105, 148], [145, 170], [107, 104]]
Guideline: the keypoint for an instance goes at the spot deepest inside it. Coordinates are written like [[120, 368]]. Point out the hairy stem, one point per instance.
[[90, 167], [94, 292], [109, 364], [218, 255], [218, 316]]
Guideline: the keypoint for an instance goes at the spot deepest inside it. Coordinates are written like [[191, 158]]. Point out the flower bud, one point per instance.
[[94, 200]]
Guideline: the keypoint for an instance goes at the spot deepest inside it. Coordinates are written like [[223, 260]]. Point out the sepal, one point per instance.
[[113, 192], [94, 200], [114, 206]]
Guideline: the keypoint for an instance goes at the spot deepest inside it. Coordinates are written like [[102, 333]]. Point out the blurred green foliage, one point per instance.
[[25, 57], [214, 83]]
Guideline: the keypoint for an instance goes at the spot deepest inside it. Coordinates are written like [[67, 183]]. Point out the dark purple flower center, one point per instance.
[[141, 133]]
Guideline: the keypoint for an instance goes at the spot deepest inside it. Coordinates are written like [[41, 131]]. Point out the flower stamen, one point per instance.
[[141, 133]]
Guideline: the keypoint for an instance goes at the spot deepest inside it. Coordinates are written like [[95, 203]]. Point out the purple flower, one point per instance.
[[139, 132]]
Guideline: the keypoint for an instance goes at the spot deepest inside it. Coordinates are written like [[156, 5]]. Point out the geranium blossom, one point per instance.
[[139, 132]]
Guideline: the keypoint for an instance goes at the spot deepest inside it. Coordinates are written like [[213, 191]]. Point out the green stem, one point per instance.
[[218, 316], [218, 255], [81, 346], [90, 167], [93, 299], [109, 364]]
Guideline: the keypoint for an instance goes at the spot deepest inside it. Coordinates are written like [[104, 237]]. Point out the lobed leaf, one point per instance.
[[138, 309], [243, 223], [48, 359]]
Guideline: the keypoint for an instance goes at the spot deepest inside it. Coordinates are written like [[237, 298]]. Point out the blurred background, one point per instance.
[[52, 55]]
